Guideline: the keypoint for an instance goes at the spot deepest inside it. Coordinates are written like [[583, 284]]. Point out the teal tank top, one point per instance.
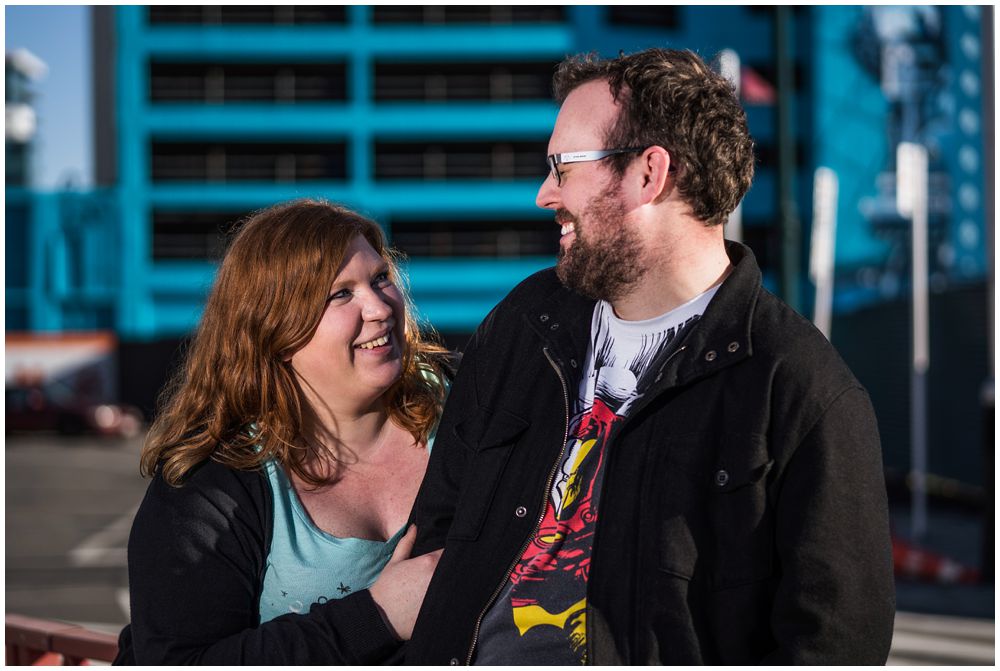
[[306, 565]]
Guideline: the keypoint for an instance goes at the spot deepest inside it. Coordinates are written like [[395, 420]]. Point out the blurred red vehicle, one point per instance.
[[54, 407]]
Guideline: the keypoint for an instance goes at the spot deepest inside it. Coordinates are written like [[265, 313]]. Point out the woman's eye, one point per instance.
[[382, 280], [343, 293]]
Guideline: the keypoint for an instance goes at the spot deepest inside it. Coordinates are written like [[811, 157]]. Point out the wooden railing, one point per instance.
[[31, 641]]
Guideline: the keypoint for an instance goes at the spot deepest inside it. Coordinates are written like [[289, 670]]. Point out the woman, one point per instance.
[[286, 458]]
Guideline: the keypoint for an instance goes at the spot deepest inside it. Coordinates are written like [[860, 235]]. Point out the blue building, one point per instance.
[[433, 120]]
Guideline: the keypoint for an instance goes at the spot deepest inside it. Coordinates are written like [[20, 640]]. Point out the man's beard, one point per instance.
[[604, 261]]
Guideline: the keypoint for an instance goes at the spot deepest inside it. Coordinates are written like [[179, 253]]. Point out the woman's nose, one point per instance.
[[376, 308]]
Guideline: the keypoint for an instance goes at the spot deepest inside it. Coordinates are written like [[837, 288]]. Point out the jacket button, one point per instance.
[[572, 362], [543, 318], [554, 326], [733, 346], [521, 511], [721, 478], [454, 661], [710, 355]]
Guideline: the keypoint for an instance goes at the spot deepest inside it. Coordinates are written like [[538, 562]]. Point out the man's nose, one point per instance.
[[548, 194]]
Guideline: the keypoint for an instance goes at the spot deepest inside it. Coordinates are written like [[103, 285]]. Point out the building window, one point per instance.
[[247, 82], [16, 229], [764, 238], [18, 172], [488, 14], [432, 82], [207, 15], [766, 154], [502, 239], [460, 160], [248, 161], [196, 235], [768, 72], [651, 16]]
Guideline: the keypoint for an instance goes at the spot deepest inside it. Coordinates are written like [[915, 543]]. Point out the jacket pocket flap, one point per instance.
[[742, 461], [489, 428]]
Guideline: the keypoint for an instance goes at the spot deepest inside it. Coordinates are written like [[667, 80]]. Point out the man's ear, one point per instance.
[[657, 179]]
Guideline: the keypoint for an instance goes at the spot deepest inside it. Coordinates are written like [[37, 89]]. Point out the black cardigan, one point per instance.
[[196, 560]]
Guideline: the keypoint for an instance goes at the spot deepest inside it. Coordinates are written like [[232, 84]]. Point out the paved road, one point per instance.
[[932, 640], [70, 504]]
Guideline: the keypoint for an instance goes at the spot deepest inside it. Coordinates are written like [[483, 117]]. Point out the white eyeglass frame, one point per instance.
[[555, 160]]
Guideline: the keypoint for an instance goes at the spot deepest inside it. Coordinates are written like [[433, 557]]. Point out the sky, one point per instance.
[[60, 36]]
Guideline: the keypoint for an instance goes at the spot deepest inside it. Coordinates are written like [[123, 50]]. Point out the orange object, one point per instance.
[[910, 561]]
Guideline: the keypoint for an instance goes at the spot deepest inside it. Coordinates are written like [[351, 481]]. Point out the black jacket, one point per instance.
[[743, 517], [196, 559]]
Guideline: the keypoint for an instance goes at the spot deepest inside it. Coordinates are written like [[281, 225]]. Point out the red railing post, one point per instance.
[[31, 641]]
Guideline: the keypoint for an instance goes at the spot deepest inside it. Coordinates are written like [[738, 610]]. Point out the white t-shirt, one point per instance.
[[621, 351]]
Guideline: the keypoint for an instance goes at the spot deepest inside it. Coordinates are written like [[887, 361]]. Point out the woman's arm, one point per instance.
[[196, 562]]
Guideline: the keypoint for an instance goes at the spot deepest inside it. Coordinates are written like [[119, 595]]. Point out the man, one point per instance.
[[646, 457]]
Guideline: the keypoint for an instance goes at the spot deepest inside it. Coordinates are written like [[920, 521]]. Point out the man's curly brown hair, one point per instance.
[[673, 99]]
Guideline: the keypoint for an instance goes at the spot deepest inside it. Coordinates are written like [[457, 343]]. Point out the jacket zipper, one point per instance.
[[538, 524], [604, 492]]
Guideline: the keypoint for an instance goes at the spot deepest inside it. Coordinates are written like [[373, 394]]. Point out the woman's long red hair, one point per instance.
[[236, 399]]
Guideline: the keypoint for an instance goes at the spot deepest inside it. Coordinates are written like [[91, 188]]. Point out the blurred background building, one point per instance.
[[21, 69], [434, 120]]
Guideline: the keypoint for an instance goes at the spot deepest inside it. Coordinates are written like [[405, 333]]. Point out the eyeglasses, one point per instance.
[[555, 160]]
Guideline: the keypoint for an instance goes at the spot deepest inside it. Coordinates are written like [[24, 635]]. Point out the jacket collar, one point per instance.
[[562, 320], [721, 338]]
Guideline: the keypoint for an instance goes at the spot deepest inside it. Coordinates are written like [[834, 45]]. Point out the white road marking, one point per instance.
[[122, 599], [107, 547], [941, 640]]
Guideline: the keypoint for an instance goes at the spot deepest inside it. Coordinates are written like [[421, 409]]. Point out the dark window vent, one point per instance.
[[488, 14], [243, 82], [651, 16], [460, 160], [268, 15], [767, 70], [192, 235], [502, 239], [434, 82], [766, 155], [248, 161]]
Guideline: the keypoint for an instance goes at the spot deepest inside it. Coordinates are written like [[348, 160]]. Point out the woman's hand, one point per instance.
[[400, 590]]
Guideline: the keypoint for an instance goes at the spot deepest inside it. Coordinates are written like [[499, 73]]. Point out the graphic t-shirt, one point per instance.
[[540, 615]]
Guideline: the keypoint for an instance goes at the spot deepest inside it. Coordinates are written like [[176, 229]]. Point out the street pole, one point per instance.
[[911, 201], [822, 247], [987, 393], [729, 65], [788, 209]]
